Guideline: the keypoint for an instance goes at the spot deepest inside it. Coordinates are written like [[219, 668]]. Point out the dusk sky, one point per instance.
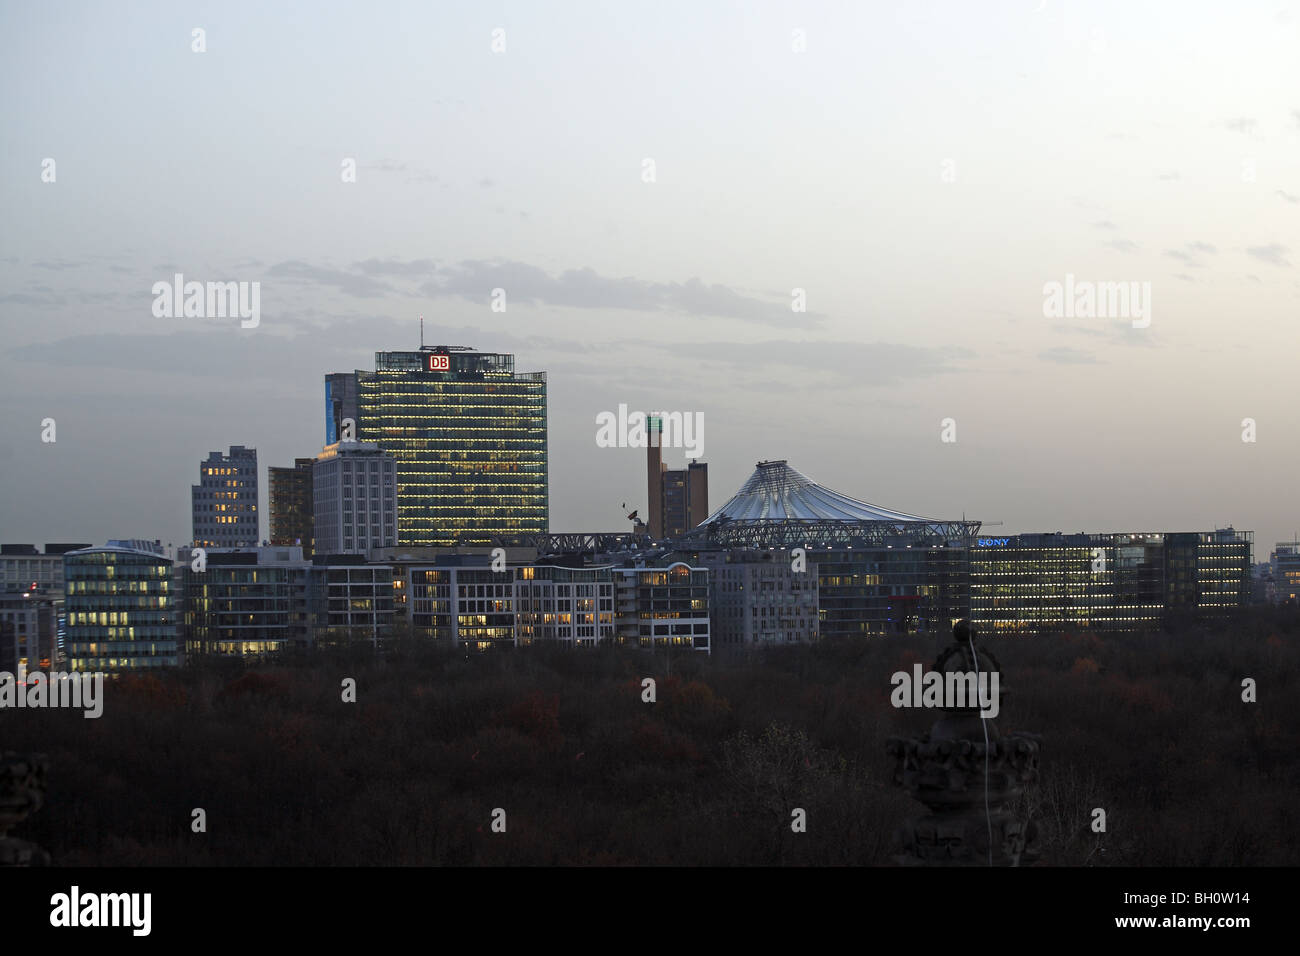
[[921, 170]]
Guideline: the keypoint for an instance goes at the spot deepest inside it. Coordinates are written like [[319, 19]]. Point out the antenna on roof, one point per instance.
[[421, 331]]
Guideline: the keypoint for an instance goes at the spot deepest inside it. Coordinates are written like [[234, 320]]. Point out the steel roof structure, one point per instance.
[[780, 507]]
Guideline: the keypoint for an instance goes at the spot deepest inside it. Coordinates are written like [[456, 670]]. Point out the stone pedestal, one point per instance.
[[947, 770], [22, 792]]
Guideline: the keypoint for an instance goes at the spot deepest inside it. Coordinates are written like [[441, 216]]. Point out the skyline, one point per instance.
[[823, 171]]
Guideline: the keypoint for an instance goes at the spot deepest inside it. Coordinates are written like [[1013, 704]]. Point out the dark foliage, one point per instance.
[[1150, 728]]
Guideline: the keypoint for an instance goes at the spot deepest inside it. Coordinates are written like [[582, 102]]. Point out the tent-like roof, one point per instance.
[[776, 492]]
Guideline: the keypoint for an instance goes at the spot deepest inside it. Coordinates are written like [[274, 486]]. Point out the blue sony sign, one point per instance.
[[991, 542]]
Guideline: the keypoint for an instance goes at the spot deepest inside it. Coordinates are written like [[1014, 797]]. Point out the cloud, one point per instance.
[[1064, 355], [809, 362], [386, 166], [1287, 196], [1188, 255], [1241, 124], [361, 286], [1274, 254], [23, 298], [58, 264], [1169, 176], [416, 268], [1104, 224], [1121, 245], [586, 289]]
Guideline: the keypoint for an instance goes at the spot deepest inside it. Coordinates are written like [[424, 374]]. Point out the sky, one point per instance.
[[657, 188]]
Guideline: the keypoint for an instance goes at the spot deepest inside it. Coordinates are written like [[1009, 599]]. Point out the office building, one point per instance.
[[224, 502], [758, 597], [350, 600], [462, 600], [340, 406], [354, 499], [28, 632], [468, 433], [1031, 583], [469, 603], [663, 606], [120, 605], [1285, 566], [289, 503], [678, 498], [23, 568], [246, 602]]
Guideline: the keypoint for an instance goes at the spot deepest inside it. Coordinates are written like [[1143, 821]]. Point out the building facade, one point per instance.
[[120, 608], [663, 607], [760, 597], [354, 499], [1285, 568], [351, 601], [340, 407], [472, 604], [482, 608], [224, 502], [1031, 583], [468, 433], [28, 633], [23, 568], [289, 503], [678, 497], [246, 602]]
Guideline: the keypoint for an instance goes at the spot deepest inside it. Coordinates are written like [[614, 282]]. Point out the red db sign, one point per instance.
[[439, 363]]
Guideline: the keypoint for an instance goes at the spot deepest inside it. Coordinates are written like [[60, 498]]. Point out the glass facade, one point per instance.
[[120, 609], [469, 437], [920, 587], [520, 605], [1106, 582], [291, 516], [663, 607], [241, 605]]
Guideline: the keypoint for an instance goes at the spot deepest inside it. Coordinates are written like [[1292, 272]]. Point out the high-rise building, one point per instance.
[[340, 406], [224, 501], [121, 608], [354, 499], [679, 498], [290, 503], [469, 436]]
